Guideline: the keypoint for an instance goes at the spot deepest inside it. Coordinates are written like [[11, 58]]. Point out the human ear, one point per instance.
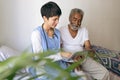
[[45, 18]]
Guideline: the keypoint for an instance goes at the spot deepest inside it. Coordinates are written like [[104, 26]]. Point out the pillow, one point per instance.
[[2, 57], [6, 52], [108, 58]]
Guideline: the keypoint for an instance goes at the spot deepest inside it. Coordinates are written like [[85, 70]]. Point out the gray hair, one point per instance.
[[76, 10]]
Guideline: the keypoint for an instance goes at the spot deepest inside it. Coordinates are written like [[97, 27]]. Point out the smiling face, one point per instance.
[[51, 22], [75, 20], [50, 13]]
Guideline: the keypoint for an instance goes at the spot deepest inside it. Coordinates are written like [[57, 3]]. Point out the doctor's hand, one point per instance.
[[66, 54]]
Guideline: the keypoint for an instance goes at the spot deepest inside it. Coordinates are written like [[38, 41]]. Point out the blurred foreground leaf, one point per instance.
[[13, 65]]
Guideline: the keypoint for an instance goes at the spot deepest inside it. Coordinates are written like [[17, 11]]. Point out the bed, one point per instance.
[[108, 58], [7, 52]]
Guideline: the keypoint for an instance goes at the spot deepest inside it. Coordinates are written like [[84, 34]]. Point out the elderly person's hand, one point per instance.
[[78, 57]]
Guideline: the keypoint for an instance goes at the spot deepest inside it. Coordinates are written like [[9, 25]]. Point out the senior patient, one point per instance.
[[74, 38]]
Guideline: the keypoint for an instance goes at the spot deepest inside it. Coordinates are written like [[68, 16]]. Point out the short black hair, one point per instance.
[[50, 9]]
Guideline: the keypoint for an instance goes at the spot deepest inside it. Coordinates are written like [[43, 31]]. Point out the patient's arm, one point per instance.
[[88, 47]]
